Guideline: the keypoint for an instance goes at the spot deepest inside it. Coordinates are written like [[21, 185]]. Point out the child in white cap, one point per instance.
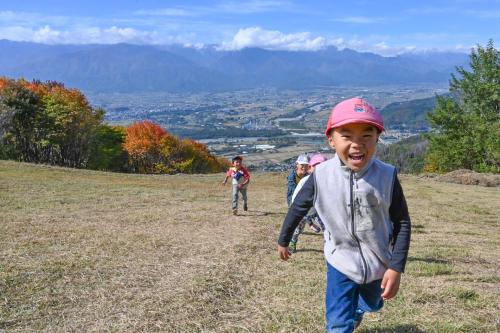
[[312, 218], [299, 171]]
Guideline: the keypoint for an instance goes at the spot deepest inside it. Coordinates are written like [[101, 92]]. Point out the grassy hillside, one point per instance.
[[91, 251], [406, 155], [408, 114]]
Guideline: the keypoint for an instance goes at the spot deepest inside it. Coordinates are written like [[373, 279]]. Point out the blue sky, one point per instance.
[[384, 27]]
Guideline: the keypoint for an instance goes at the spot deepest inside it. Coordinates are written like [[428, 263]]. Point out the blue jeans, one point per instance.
[[346, 301]]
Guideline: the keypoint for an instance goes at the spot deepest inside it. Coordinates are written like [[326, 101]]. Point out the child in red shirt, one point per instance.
[[240, 179]]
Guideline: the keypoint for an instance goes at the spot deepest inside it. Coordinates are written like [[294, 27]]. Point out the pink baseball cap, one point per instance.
[[354, 111], [317, 159]]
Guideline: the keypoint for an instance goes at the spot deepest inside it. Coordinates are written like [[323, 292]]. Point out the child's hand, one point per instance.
[[223, 183], [284, 252], [390, 283]]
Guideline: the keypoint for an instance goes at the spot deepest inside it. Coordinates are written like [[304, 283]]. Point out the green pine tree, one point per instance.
[[466, 129]]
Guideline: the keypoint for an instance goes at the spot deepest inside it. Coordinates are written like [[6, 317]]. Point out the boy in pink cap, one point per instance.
[[362, 205]]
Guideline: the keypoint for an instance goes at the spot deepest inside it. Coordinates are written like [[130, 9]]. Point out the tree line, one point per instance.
[[45, 122]]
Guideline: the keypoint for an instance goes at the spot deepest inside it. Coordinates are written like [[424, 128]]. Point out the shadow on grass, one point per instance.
[[429, 260], [6, 324], [260, 213], [309, 250], [312, 233], [396, 329]]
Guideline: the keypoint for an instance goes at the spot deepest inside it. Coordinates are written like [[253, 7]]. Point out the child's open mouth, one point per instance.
[[357, 157]]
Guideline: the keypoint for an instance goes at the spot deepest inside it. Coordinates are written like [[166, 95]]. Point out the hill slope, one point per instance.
[[91, 251], [409, 114]]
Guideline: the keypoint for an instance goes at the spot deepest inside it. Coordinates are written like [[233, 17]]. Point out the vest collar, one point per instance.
[[346, 171]]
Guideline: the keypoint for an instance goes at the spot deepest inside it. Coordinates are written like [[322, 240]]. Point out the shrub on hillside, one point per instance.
[[151, 149], [142, 144], [46, 123], [107, 149]]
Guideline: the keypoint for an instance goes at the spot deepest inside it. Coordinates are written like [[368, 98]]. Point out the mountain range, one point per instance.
[[173, 68]]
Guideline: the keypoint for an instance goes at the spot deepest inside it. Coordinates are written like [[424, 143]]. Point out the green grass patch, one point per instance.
[[484, 279], [475, 209], [467, 296], [429, 269]]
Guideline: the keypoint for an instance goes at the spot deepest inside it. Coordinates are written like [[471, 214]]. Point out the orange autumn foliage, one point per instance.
[[151, 149], [142, 138], [48, 123]]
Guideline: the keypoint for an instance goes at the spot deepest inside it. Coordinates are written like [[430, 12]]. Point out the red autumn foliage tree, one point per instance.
[[151, 149], [142, 144]]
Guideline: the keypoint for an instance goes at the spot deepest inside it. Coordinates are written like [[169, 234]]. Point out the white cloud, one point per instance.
[[247, 37], [442, 10], [484, 14], [47, 35], [223, 7], [374, 44], [254, 6], [274, 40], [432, 10], [360, 19], [304, 41], [30, 19], [387, 50], [440, 38], [166, 12], [89, 35], [462, 48], [16, 33]]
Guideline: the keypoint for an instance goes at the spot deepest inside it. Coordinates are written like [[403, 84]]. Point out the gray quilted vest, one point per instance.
[[354, 206]]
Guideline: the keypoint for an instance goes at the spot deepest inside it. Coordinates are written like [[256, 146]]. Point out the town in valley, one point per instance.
[[268, 126]]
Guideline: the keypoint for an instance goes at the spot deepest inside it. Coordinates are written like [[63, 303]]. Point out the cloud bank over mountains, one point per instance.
[[274, 40], [251, 37], [387, 28]]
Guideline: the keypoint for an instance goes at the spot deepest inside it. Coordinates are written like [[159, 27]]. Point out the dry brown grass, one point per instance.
[[469, 177], [92, 251]]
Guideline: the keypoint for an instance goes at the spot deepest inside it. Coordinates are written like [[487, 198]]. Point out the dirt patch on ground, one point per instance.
[[469, 177], [465, 177]]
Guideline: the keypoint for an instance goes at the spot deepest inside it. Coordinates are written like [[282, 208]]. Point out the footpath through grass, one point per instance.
[[91, 251]]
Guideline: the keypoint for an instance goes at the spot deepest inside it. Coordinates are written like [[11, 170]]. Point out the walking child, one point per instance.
[[312, 218], [367, 226], [239, 179], [296, 174]]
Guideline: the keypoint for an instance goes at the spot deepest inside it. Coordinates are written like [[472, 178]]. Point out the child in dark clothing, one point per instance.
[[312, 218], [362, 205], [296, 174]]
